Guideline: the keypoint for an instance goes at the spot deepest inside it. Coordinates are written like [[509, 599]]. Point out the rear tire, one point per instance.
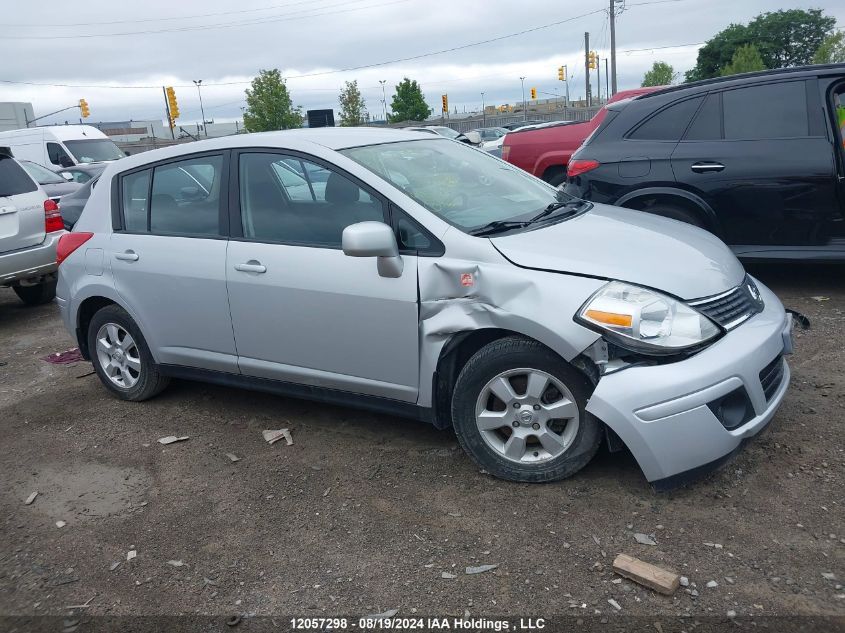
[[38, 294], [121, 357], [675, 213], [540, 430]]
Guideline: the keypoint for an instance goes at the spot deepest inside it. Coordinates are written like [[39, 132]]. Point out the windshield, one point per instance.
[[464, 186], [42, 175], [94, 150], [447, 132]]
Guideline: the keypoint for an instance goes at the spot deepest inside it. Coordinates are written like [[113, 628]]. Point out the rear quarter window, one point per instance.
[[669, 123], [13, 179]]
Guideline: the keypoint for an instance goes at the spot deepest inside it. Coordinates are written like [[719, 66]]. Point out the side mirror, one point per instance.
[[374, 239], [67, 176], [473, 138], [65, 161]]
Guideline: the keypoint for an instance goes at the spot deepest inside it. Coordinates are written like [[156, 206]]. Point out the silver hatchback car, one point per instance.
[[414, 275]]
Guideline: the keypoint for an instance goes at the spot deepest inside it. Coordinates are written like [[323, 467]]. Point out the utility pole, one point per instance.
[[587, 95], [198, 82], [483, 112], [598, 78], [606, 81], [613, 47], [566, 81], [524, 106], [383, 98]]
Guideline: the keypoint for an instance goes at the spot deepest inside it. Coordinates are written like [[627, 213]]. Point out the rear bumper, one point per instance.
[[662, 412], [30, 264]]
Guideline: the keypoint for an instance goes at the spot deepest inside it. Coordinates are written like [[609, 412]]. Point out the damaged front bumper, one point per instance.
[[682, 418]]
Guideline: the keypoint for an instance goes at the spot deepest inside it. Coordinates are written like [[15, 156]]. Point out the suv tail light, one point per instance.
[[68, 243], [580, 166], [506, 150], [52, 217]]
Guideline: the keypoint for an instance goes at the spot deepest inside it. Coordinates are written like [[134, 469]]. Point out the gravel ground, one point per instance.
[[366, 513]]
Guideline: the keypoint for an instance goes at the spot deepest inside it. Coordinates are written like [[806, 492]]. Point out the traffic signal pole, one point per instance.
[[612, 48], [587, 96]]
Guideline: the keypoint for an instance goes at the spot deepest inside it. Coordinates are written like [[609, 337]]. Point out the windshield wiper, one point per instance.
[[575, 203], [499, 226]]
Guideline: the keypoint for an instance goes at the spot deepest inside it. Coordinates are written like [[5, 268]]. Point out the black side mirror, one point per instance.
[[65, 161]]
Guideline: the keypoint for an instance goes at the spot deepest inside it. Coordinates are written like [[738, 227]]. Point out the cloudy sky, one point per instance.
[[118, 54]]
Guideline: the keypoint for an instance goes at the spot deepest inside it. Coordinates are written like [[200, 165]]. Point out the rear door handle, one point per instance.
[[703, 168], [252, 266], [127, 256], [6, 210]]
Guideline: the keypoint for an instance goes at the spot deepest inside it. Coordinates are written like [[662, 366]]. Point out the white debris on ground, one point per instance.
[[30, 498], [131, 554], [274, 436], [644, 539], [60, 524], [480, 569], [170, 439]]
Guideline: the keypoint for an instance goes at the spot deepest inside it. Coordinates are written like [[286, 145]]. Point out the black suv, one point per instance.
[[756, 158]]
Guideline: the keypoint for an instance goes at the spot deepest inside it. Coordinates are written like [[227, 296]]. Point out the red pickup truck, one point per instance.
[[545, 151]]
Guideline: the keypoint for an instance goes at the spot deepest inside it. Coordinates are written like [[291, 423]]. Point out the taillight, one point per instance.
[[52, 217], [580, 166], [68, 243], [506, 151]]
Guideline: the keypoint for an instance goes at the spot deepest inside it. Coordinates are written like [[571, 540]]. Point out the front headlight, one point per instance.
[[644, 320]]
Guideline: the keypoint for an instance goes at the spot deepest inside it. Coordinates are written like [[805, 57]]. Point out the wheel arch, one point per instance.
[[640, 198]]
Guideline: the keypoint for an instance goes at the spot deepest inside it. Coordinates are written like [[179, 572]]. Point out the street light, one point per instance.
[[524, 107], [383, 98], [198, 83], [483, 112]]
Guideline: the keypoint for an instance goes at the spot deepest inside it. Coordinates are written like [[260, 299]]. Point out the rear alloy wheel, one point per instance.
[[38, 294], [519, 410], [121, 357]]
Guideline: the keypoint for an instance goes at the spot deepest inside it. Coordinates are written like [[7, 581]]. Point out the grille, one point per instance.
[[731, 308], [771, 376]]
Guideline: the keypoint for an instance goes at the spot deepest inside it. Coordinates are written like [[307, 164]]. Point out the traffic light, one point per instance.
[[593, 64], [561, 73], [83, 109], [533, 93], [172, 104], [445, 99]]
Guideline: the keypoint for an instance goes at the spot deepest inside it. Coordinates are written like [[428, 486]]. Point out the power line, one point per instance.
[[170, 18], [206, 27]]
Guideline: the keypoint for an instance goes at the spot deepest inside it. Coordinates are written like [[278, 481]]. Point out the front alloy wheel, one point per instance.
[[527, 415]]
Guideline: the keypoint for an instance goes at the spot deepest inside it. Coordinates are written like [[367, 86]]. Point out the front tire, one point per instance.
[[121, 357], [37, 295], [519, 411]]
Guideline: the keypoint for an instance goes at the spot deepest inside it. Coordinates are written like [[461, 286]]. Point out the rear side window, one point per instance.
[[668, 124], [13, 179], [707, 125], [186, 197], [180, 198], [767, 111]]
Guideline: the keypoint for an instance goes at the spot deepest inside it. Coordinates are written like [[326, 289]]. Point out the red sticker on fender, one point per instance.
[[466, 279]]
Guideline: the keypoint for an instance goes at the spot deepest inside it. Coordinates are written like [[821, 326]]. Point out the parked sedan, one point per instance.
[[82, 173], [430, 280], [54, 185]]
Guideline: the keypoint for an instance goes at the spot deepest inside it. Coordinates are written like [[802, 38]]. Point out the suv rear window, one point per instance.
[[13, 179], [668, 124]]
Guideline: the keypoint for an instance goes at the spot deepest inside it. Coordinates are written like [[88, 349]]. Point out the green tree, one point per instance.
[[832, 50], [351, 105], [269, 106], [661, 74], [746, 59], [408, 103], [783, 38]]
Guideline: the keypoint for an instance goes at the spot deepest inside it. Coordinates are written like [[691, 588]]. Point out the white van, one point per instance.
[[58, 146]]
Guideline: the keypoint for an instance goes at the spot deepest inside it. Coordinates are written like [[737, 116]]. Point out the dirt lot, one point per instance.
[[365, 513]]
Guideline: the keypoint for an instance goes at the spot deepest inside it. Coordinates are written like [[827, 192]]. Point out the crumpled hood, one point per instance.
[[616, 243]]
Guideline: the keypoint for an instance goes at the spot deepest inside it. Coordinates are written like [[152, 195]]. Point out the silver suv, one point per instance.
[[30, 227], [409, 274]]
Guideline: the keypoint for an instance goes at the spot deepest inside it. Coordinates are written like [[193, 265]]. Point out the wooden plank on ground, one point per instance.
[[651, 576]]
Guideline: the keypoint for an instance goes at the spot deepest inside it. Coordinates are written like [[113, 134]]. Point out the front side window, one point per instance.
[[766, 111], [463, 186], [186, 197], [291, 200], [668, 124], [57, 155], [94, 150]]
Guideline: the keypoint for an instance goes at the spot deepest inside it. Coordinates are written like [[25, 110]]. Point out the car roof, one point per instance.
[[809, 71], [334, 138]]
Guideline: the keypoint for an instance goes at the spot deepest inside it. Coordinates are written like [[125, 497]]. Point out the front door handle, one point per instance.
[[703, 168], [127, 256], [252, 266]]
